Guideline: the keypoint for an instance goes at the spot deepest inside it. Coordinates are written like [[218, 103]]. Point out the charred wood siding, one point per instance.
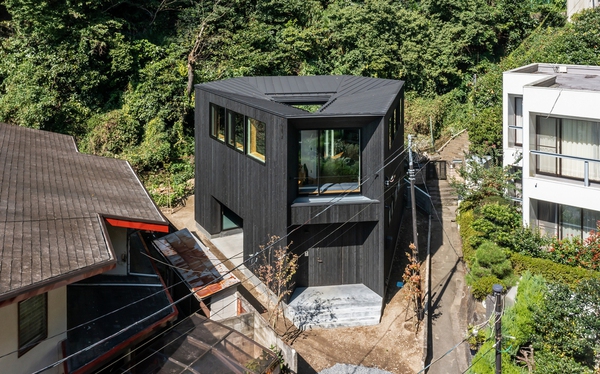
[[254, 191], [350, 242]]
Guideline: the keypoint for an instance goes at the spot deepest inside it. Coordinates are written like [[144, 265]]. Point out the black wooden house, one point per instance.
[[316, 160]]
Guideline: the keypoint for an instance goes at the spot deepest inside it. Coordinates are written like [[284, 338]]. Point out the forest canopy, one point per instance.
[[118, 75]]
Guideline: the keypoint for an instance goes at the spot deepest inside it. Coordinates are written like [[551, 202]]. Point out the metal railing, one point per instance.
[[586, 164]]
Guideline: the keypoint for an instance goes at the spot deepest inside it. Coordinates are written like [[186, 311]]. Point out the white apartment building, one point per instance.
[[576, 6], [551, 130]]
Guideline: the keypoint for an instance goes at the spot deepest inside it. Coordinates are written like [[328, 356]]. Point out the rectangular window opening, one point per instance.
[[235, 130], [568, 137], [217, 122], [256, 142], [329, 161], [33, 322]]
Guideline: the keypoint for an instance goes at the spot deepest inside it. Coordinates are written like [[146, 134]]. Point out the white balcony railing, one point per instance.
[[579, 172]]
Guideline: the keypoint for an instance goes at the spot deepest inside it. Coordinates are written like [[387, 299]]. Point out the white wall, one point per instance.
[[513, 85], [224, 304], [576, 6], [118, 239], [43, 354]]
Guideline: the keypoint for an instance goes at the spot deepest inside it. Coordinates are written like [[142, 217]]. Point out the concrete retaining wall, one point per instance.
[[254, 326]]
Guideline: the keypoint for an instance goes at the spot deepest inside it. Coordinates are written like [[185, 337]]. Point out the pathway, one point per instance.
[[448, 312]]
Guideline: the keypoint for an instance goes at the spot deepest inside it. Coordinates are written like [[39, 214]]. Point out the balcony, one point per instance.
[[579, 170]]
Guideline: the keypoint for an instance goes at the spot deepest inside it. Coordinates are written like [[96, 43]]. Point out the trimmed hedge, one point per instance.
[[550, 270], [465, 221]]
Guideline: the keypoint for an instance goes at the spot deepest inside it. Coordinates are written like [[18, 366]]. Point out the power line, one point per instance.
[[332, 203]]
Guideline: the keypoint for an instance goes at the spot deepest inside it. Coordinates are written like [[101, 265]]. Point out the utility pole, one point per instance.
[[413, 202], [497, 288]]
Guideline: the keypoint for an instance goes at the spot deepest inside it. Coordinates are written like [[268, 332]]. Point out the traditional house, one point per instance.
[[76, 288], [315, 160]]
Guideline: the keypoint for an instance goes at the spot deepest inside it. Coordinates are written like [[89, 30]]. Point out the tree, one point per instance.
[[276, 271]]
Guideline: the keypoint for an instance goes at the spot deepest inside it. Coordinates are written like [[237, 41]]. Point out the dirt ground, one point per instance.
[[395, 344]]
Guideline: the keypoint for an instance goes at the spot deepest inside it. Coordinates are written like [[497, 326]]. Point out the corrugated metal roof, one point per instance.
[[51, 201], [196, 264], [341, 94]]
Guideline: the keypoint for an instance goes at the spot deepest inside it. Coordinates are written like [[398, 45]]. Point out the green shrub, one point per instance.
[[496, 223], [553, 272], [465, 221], [481, 287], [490, 266]]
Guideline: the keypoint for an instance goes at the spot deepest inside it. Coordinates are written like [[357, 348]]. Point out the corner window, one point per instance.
[[329, 161], [256, 139], [235, 130], [217, 122], [33, 322]]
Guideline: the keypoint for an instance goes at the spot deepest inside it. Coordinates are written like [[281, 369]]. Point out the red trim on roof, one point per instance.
[[138, 225]]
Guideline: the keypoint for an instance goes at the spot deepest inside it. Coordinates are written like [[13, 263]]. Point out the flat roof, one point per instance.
[[53, 201], [337, 94], [576, 77]]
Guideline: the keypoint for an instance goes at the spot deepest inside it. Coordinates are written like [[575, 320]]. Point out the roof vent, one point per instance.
[[562, 69]]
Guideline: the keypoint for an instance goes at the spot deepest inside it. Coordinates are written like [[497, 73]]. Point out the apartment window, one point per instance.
[[515, 131], [568, 137], [217, 122], [256, 139], [329, 161], [565, 221], [235, 130], [33, 322]]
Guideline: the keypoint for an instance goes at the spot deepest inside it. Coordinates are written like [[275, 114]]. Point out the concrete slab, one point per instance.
[[334, 306], [232, 246]]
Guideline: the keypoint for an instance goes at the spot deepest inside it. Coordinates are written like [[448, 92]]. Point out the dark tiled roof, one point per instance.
[[341, 94], [51, 202]]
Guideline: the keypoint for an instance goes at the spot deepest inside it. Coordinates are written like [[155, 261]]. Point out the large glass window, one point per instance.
[[570, 137], [329, 161], [235, 130], [256, 139], [564, 220], [33, 322], [217, 122]]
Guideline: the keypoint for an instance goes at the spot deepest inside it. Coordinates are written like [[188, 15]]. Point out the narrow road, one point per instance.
[[448, 313]]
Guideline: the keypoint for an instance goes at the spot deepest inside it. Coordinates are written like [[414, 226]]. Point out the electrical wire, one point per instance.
[[480, 357], [442, 356], [332, 203], [237, 255]]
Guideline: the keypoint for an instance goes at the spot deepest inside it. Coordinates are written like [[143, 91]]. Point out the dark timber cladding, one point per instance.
[[322, 155]]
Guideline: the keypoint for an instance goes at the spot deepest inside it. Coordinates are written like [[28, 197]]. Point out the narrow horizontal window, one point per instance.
[[256, 141]]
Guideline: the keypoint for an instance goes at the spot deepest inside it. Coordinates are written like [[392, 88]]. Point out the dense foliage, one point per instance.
[[118, 75], [489, 266], [560, 323]]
